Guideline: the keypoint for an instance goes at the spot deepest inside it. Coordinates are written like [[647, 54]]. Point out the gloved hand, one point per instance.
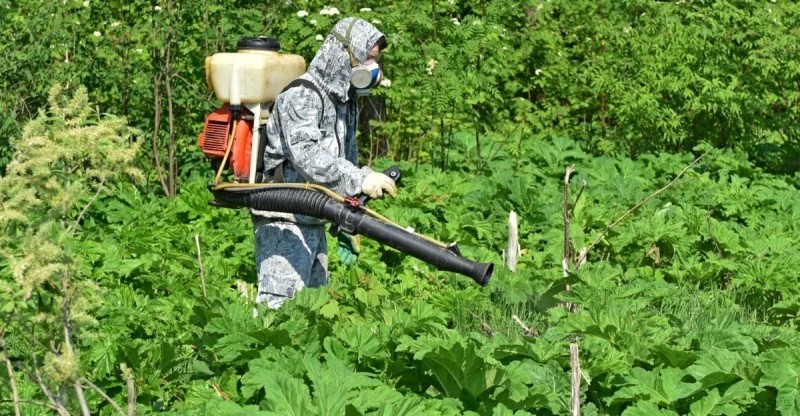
[[348, 248], [375, 183]]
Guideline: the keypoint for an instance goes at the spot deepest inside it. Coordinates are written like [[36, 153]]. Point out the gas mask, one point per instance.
[[363, 76]]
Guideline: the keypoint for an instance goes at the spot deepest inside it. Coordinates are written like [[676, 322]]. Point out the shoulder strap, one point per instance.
[[302, 82], [299, 82]]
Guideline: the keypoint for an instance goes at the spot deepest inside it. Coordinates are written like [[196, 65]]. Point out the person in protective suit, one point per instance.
[[311, 138]]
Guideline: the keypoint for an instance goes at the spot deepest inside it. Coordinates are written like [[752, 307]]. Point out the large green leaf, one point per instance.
[[782, 371], [284, 394], [662, 386]]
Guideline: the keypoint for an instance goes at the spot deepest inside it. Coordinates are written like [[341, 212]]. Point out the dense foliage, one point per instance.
[[687, 306], [620, 77]]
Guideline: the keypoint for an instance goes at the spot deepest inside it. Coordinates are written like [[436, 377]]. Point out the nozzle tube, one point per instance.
[[317, 204]]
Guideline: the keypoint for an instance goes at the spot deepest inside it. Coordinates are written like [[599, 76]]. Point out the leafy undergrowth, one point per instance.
[[688, 306]]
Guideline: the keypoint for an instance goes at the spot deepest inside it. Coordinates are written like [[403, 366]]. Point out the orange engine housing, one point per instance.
[[213, 140]]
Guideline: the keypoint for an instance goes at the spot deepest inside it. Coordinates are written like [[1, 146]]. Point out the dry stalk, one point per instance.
[[11, 378], [68, 341], [128, 373], [200, 263], [574, 358], [526, 330]]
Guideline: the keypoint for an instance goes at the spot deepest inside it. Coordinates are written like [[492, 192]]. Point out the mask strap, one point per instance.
[[346, 42]]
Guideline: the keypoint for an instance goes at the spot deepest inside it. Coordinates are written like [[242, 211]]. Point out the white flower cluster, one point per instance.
[[431, 66], [386, 82], [320, 38], [455, 21], [365, 10], [302, 13], [332, 11]]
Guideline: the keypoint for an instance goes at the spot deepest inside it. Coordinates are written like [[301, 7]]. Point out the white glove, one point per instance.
[[375, 183]]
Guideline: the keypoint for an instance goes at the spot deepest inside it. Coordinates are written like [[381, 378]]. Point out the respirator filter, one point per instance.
[[366, 76]]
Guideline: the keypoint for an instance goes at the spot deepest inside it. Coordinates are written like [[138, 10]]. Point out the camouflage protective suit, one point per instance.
[[312, 140]]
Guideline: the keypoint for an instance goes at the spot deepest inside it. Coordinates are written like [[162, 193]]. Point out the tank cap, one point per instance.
[[261, 43]]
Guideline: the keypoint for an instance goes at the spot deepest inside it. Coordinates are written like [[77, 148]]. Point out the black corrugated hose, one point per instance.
[[352, 220]]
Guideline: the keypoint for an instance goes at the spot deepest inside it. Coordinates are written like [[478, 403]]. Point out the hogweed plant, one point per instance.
[[59, 168]]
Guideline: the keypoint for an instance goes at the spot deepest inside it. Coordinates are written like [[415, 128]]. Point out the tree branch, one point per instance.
[[50, 396]]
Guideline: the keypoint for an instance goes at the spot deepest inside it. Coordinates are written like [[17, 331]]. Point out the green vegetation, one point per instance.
[[687, 306]]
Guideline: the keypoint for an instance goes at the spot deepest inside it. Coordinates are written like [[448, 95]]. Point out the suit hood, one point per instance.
[[331, 66]]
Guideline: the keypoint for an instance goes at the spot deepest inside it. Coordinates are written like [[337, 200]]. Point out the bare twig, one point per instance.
[[565, 259], [171, 145], [485, 328], [54, 400], [200, 263], [86, 207], [11, 378], [102, 394], [526, 330], [157, 127], [577, 198], [638, 205]]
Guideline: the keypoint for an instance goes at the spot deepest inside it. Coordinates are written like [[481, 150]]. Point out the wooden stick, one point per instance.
[[574, 358], [513, 242], [131, 395], [575, 364], [200, 263], [128, 374]]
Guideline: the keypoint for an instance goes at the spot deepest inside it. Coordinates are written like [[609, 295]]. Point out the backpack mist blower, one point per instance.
[[234, 138]]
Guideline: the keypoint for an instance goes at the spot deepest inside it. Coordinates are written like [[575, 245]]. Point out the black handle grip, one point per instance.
[[393, 173]]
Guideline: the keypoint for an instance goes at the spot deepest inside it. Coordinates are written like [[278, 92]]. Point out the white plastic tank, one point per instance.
[[255, 73]]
